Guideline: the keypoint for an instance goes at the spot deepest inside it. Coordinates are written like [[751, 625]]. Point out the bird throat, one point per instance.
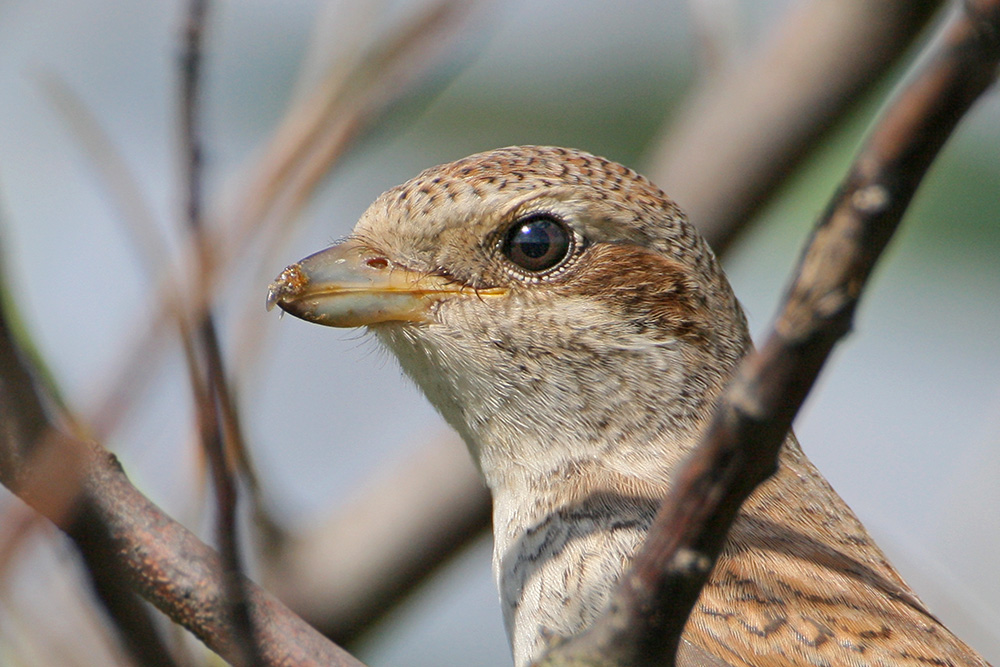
[[566, 414]]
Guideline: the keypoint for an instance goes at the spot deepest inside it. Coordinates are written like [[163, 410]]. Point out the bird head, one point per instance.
[[551, 304]]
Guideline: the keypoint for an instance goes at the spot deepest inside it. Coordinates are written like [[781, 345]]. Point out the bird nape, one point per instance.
[[566, 319]]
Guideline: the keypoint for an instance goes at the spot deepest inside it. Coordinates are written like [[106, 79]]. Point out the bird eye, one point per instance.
[[537, 243]]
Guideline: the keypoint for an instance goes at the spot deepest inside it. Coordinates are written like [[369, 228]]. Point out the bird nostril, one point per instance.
[[377, 262]]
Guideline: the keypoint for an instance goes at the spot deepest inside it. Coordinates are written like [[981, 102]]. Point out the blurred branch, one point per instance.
[[136, 215], [648, 611], [346, 574], [714, 29], [743, 131], [316, 131], [125, 193]]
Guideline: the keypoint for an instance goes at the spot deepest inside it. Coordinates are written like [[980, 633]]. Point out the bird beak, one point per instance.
[[349, 285]]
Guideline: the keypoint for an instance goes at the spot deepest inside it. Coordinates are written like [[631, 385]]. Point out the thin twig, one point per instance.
[[140, 223], [217, 421], [740, 448]]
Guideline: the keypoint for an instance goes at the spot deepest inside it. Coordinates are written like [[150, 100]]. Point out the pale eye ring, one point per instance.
[[538, 243]]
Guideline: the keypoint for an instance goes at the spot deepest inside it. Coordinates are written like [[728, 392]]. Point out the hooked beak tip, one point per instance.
[[288, 285]]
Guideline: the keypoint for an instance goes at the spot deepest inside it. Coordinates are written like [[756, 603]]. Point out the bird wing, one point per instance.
[[801, 583], [692, 655]]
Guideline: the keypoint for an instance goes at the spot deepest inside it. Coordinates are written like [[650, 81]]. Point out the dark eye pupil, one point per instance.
[[537, 244]]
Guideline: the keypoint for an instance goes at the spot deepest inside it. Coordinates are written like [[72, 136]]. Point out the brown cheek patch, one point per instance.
[[649, 290]]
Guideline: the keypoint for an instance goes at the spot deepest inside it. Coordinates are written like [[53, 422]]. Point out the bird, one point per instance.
[[570, 323]]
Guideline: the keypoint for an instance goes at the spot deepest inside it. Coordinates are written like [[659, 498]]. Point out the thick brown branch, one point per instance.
[[740, 447], [23, 449], [180, 575], [171, 568], [123, 533]]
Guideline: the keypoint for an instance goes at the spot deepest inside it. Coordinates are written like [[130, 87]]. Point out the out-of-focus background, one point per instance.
[[905, 422]]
